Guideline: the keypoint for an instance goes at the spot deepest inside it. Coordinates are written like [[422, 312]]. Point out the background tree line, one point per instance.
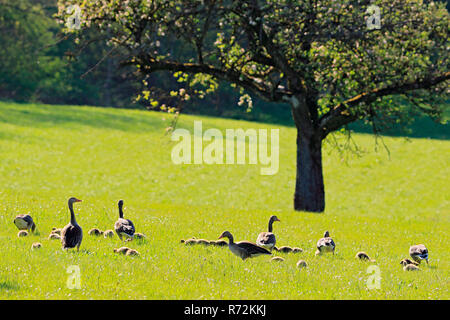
[[39, 63]]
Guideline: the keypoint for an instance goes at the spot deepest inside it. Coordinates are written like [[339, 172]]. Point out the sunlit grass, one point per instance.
[[375, 203]]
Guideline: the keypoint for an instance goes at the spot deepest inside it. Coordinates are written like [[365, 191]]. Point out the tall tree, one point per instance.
[[334, 62]]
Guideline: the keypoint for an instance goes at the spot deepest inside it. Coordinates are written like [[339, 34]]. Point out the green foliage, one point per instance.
[[273, 49], [25, 64], [39, 63]]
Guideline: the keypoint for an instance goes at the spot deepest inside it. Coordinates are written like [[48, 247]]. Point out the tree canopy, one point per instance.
[[320, 56]]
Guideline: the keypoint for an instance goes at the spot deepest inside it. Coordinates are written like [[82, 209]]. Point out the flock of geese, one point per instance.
[[72, 235], [266, 242]]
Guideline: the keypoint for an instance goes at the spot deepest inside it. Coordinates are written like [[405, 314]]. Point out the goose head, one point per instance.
[[226, 234], [271, 221], [274, 218], [72, 200], [326, 234]]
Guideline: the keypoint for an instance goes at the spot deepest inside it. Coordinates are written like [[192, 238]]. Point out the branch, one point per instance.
[[150, 65], [340, 114]]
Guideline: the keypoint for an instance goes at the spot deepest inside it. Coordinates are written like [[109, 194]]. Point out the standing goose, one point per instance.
[[243, 249], [267, 239], [72, 234], [325, 244], [24, 222], [419, 252], [123, 227]]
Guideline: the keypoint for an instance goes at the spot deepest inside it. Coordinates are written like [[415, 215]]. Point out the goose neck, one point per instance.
[[72, 214], [120, 211]]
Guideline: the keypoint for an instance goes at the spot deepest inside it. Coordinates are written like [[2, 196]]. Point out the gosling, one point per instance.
[[56, 230], [108, 234], [204, 242], [22, 233], [301, 264], [54, 236], [411, 267], [132, 252], [139, 236], [190, 242], [122, 250], [280, 259], [285, 249], [406, 261], [363, 256], [36, 245], [95, 232], [219, 243]]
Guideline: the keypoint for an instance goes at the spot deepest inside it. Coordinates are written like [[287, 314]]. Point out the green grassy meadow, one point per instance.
[[377, 203]]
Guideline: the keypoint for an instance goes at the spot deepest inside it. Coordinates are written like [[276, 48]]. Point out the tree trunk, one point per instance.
[[309, 188]]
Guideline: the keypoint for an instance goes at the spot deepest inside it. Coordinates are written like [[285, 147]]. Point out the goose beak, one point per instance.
[[220, 237], [278, 220], [77, 200]]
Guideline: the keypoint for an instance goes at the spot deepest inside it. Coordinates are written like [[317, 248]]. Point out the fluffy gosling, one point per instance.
[[411, 267], [95, 232], [280, 259], [122, 250], [56, 230], [219, 243], [406, 261], [132, 252], [22, 233], [54, 236], [363, 256], [190, 242], [285, 249], [108, 234], [36, 245], [301, 264], [204, 242], [297, 250], [139, 236]]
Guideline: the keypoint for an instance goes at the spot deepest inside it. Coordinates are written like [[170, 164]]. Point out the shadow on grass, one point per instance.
[[8, 285], [74, 117]]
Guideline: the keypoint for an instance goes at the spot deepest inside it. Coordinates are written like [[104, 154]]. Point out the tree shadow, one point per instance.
[[74, 117], [8, 285]]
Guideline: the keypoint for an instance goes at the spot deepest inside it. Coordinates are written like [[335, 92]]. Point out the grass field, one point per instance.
[[375, 203]]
